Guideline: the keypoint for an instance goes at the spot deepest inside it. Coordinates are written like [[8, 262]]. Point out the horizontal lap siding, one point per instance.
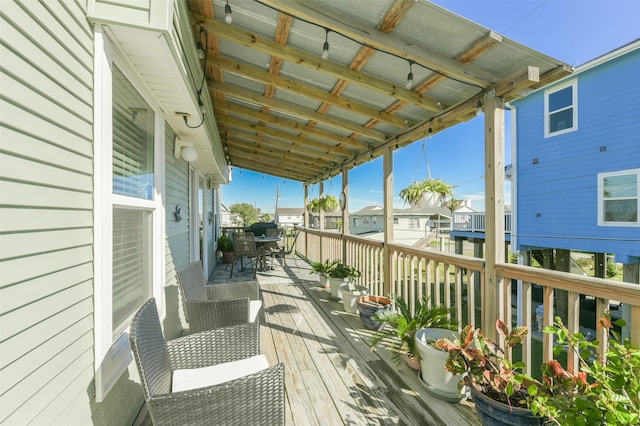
[[557, 197], [177, 238], [46, 218]]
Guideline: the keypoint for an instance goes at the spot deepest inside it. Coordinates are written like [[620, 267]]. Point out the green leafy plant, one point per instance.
[[327, 204], [603, 392], [340, 270], [405, 325], [225, 244], [413, 193], [323, 268], [487, 365]]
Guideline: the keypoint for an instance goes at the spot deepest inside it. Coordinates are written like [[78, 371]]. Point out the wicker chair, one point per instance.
[[213, 377], [217, 305], [281, 249], [245, 245]]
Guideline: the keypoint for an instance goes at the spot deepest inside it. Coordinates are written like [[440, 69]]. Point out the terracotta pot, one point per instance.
[[412, 362], [368, 306], [227, 257]]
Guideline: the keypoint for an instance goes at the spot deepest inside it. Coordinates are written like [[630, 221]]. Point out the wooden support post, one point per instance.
[[345, 192], [631, 274], [388, 216], [321, 213], [494, 308], [305, 219]]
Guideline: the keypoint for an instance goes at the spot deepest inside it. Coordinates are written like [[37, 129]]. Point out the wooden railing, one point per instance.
[[475, 222], [459, 282]]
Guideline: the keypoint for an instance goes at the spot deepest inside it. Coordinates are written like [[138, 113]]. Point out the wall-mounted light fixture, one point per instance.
[[185, 150]]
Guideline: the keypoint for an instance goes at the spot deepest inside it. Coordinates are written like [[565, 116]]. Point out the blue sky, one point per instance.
[[573, 31]]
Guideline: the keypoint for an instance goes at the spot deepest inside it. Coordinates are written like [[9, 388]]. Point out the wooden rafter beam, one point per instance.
[[301, 89], [261, 167], [298, 111], [308, 60], [224, 109], [386, 42], [274, 160], [273, 154], [293, 142]]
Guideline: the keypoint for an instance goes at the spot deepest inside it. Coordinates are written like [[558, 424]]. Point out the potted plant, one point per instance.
[[340, 275], [427, 193], [327, 204], [350, 295], [405, 325], [368, 306], [323, 269], [604, 391], [498, 389], [225, 245]]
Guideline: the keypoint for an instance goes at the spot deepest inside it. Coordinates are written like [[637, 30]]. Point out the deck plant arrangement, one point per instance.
[[340, 276], [327, 204], [350, 294], [429, 192], [603, 392], [405, 323], [323, 269], [498, 387], [225, 245]]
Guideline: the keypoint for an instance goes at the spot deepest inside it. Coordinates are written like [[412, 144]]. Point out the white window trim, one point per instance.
[[601, 176], [113, 354], [574, 101]]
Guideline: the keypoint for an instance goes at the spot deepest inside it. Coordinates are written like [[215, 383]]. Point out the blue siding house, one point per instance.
[[576, 153]]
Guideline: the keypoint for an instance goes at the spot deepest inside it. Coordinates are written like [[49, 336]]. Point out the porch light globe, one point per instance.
[[189, 154]]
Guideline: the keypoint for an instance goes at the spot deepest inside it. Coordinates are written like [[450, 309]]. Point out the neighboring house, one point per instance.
[[99, 208], [289, 217], [577, 161], [229, 219], [413, 219], [332, 220]]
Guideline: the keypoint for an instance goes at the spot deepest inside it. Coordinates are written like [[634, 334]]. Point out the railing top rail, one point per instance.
[[597, 287], [472, 263], [352, 238]]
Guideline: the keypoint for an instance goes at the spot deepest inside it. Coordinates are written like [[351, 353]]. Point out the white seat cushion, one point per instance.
[[254, 309], [195, 378]]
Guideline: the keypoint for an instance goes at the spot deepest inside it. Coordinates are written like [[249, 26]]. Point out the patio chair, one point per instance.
[[282, 249], [213, 377], [217, 305], [245, 246]]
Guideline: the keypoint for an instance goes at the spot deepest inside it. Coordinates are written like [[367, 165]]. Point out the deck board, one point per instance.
[[331, 375]]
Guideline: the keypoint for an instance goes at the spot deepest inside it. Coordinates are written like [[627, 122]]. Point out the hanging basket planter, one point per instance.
[[427, 193]]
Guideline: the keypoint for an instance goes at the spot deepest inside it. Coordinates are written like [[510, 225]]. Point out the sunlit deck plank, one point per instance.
[[332, 377]]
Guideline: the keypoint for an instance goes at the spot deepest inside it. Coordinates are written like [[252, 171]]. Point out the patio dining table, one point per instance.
[[261, 244]]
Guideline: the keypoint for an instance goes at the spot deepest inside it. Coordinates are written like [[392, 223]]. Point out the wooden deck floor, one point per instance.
[[332, 377]]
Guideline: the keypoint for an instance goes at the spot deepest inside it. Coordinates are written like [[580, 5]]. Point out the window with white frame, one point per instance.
[[414, 223], [128, 214], [619, 198], [561, 109], [133, 181]]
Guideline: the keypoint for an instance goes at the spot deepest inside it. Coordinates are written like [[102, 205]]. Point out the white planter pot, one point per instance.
[[429, 200], [437, 380], [324, 281], [335, 284], [350, 297]]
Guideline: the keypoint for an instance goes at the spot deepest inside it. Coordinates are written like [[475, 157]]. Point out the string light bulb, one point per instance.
[[227, 14], [200, 50], [479, 107], [409, 84], [325, 46]]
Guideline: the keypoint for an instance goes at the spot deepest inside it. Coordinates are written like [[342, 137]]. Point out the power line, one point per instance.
[[525, 16]]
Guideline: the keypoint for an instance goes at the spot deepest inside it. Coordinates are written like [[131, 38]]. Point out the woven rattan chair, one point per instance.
[[217, 305], [213, 377], [245, 246]]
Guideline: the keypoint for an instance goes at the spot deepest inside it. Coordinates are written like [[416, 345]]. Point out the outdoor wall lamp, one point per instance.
[[185, 150]]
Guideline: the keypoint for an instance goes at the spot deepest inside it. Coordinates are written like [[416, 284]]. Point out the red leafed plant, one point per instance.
[[605, 391], [487, 366]]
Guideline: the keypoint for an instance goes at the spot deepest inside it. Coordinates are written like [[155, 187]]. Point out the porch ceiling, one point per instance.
[[283, 110]]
